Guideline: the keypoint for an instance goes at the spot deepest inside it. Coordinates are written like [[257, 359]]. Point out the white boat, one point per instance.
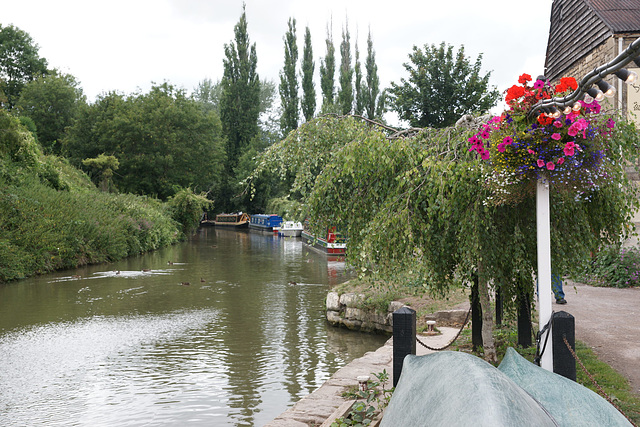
[[290, 229]]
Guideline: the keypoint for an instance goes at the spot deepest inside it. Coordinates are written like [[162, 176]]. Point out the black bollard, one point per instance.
[[499, 306], [476, 316], [404, 338], [524, 319], [564, 325]]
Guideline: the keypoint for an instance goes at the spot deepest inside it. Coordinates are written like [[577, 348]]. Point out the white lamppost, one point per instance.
[[553, 107]]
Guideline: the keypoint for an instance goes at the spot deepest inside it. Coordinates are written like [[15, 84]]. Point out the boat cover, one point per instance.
[[570, 403], [452, 388]]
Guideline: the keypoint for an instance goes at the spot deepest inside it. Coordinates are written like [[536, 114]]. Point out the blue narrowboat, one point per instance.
[[264, 222]]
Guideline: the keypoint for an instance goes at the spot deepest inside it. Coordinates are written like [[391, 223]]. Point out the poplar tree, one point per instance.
[[308, 88], [327, 73], [239, 107], [359, 97], [371, 88], [345, 95], [240, 102], [289, 81]]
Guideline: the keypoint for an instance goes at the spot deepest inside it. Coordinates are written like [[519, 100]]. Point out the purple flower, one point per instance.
[[539, 84]]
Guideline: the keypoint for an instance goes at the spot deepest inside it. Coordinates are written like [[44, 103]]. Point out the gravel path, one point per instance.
[[608, 320]]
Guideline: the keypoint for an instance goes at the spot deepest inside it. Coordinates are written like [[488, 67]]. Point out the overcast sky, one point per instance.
[[125, 45]]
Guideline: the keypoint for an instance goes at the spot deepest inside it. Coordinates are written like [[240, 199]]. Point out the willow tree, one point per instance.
[[419, 205]]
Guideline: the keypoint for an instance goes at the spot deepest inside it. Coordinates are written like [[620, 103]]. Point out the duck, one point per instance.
[[185, 283], [292, 283], [75, 276], [146, 270], [170, 262], [202, 280]]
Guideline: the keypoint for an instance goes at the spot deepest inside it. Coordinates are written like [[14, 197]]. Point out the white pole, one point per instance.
[[543, 220]]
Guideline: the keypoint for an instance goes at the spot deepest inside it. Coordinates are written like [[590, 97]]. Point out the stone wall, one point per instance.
[[342, 310]]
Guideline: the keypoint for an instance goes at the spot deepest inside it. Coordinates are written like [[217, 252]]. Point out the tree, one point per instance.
[[359, 97], [289, 81], [104, 166], [371, 89], [52, 102], [345, 95], [19, 62], [240, 103], [308, 87], [163, 141], [441, 88], [327, 74], [208, 94]]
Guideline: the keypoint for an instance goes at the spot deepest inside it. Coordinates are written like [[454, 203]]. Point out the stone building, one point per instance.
[[585, 34]]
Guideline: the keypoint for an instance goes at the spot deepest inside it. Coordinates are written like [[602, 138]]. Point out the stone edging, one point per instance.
[[342, 311]]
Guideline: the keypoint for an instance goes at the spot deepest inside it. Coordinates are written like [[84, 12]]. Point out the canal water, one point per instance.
[[226, 329]]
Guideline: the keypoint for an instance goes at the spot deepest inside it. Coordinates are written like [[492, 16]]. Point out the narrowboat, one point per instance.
[[333, 243], [290, 229], [265, 222], [234, 220]]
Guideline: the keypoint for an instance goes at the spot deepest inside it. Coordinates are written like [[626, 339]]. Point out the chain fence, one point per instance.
[[466, 320]]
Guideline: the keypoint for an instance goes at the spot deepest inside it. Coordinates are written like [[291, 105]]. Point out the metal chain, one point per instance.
[[593, 380], [466, 320]]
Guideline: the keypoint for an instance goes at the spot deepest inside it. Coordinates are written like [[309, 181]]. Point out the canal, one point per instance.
[[226, 329]]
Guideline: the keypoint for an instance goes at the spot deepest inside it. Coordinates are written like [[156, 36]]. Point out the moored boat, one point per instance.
[[234, 220], [290, 229], [333, 243], [265, 222]]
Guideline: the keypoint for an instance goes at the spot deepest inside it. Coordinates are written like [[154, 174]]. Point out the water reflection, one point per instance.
[[131, 344]]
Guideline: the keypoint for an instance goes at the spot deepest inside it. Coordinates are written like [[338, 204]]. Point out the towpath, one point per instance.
[[608, 320]]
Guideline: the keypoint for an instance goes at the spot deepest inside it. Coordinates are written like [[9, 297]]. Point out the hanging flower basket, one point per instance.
[[568, 149]]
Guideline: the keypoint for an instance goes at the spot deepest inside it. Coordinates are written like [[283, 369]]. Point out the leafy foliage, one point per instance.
[[163, 140], [308, 88], [613, 266], [327, 73], [19, 62], [43, 228], [441, 87], [418, 205], [345, 94], [186, 207], [52, 102], [289, 81], [371, 89]]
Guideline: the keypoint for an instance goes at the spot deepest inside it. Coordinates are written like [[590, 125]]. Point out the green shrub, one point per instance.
[[613, 266]]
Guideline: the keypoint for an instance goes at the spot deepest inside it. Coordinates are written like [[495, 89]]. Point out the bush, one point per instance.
[[614, 266]]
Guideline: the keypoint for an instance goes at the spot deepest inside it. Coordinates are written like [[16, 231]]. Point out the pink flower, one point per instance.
[[540, 161], [551, 166], [569, 148], [557, 124], [484, 155], [573, 130], [531, 151], [560, 160], [507, 140], [539, 84], [556, 136], [611, 123], [485, 134], [502, 147], [474, 140]]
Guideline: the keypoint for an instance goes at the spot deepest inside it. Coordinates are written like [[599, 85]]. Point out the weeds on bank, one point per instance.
[[369, 403]]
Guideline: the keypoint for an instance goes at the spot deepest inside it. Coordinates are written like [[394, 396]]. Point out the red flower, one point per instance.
[[514, 92], [524, 79], [544, 120], [569, 82]]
